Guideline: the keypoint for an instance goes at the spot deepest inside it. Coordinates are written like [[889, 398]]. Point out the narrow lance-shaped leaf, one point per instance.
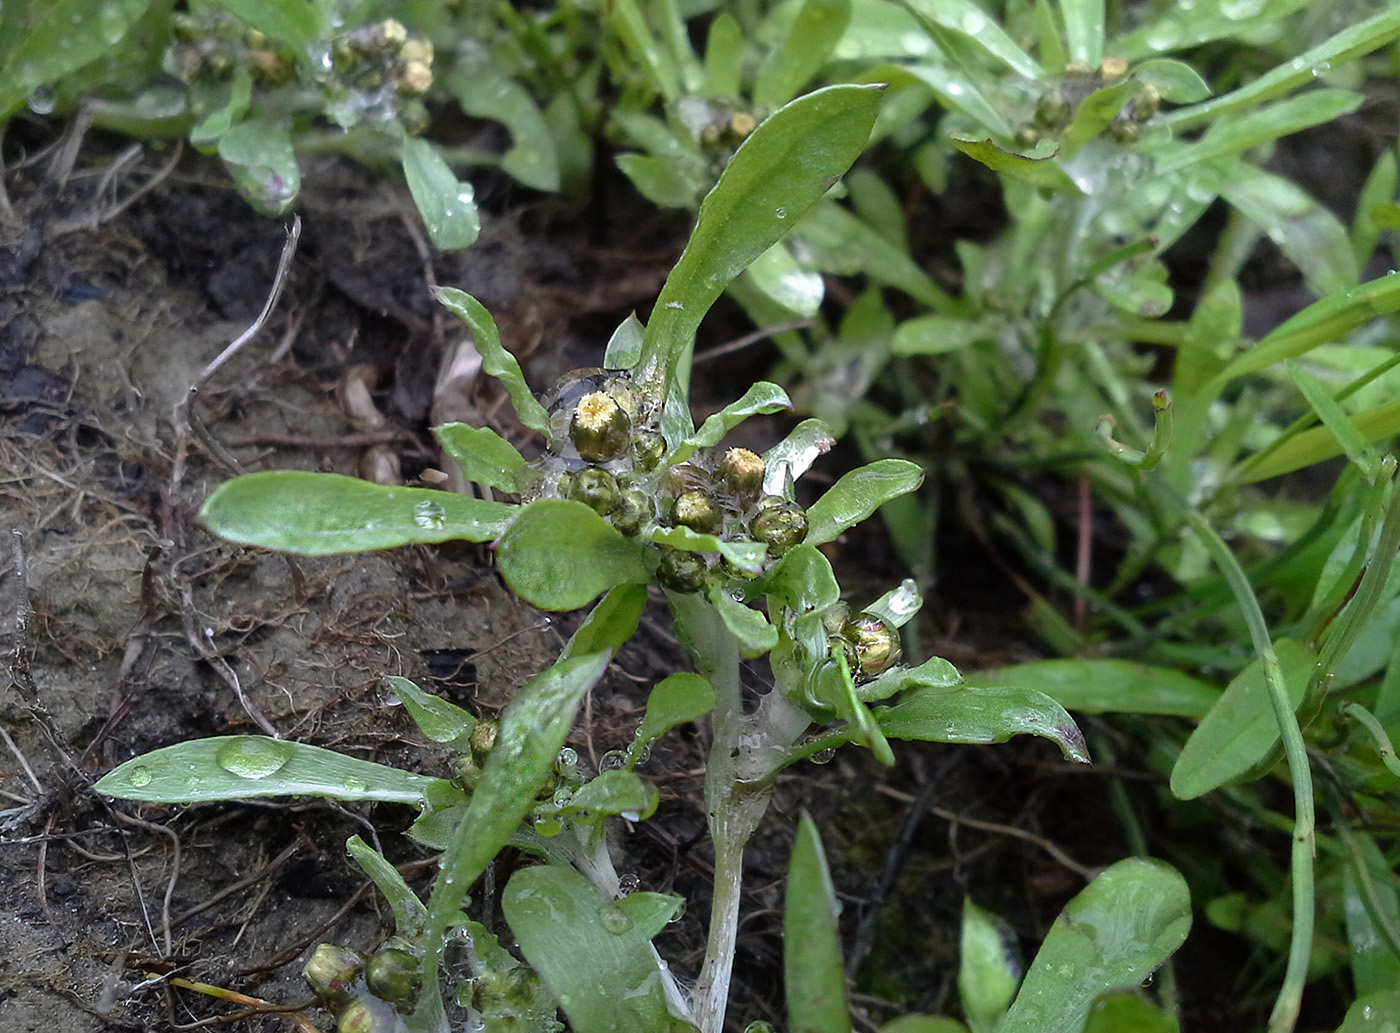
[[485, 457], [245, 767], [609, 624], [676, 700], [532, 731], [780, 171], [813, 977], [409, 912], [1108, 685], [744, 555], [790, 458], [1112, 935], [560, 555], [984, 715], [987, 977], [495, 360], [324, 514], [858, 494], [807, 46], [762, 397], [967, 18]]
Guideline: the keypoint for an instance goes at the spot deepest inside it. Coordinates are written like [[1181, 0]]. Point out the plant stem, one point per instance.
[[1290, 995]]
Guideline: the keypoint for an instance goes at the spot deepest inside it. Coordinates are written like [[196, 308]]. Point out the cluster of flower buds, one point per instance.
[[378, 72], [209, 47], [606, 452], [1055, 109], [365, 994]]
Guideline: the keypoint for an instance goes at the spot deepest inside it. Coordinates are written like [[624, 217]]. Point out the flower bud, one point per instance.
[[682, 571], [632, 512], [1147, 102], [596, 489], [483, 739], [331, 971], [415, 77], [599, 428], [697, 511], [648, 449], [1053, 111], [781, 524], [741, 472], [466, 772], [1124, 130], [367, 1015], [394, 975], [1113, 68], [1026, 137], [876, 645]]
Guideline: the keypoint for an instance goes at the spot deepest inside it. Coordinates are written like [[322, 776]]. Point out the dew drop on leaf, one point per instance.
[[429, 515], [140, 777], [252, 757], [614, 919]]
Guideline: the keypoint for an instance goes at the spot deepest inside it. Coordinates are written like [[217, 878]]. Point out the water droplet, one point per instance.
[[614, 919], [781, 213], [41, 101], [140, 776], [628, 882], [355, 785], [823, 756], [386, 696], [973, 22], [250, 756], [612, 760], [429, 515], [547, 825], [563, 796], [675, 305]]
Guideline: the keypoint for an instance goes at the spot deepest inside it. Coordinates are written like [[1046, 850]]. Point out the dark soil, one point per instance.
[[130, 628]]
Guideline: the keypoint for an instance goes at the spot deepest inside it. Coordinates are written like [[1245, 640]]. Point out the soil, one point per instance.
[[130, 628]]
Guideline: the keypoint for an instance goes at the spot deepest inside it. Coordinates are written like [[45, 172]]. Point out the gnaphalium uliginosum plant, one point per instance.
[[628, 493]]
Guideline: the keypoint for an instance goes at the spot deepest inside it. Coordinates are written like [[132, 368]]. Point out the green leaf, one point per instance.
[[762, 397], [1233, 136], [1371, 907], [615, 792], [1176, 81], [495, 360], [625, 346], [664, 181], [1092, 115], [324, 514], [1084, 30], [1310, 236], [968, 19], [812, 974], [435, 717], [259, 156], [1336, 420], [1375, 1013], [807, 46], [790, 458], [448, 206], [756, 637], [936, 335], [677, 699], [724, 57], [409, 912], [244, 767], [747, 556], [560, 555], [594, 955], [611, 623], [780, 171], [58, 37], [934, 673], [1039, 172], [780, 278], [291, 21], [1112, 935], [1240, 730], [484, 456], [484, 90], [987, 974], [1108, 686], [985, 715], [858, 494], [838, 241], [649, 56], [1129, 1012], [913, 1023], [532, 731], [1319, 444]]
